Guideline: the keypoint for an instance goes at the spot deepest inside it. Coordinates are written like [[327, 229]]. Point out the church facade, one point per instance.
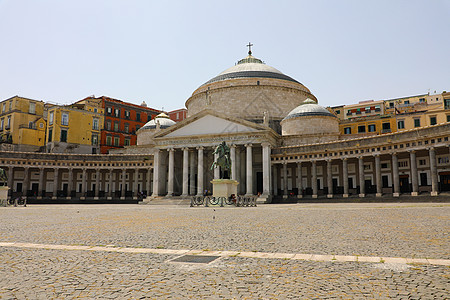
[[283, 144]]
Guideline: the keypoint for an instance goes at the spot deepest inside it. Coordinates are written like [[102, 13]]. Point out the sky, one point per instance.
[[161, 51]]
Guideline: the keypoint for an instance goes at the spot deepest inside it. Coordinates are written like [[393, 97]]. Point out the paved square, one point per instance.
[[268, 252]]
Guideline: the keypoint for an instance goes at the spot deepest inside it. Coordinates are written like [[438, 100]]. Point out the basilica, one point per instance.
[[283, 144]]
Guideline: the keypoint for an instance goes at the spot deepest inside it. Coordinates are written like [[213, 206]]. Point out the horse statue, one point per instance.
[[223, 160], [3, 177]]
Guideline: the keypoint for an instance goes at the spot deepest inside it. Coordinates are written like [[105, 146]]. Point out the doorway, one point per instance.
[[259, 182]]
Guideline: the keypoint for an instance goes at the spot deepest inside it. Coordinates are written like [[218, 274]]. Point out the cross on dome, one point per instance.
[[249, 48]]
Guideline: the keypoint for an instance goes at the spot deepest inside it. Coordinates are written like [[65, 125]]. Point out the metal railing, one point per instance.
[[239, 201]]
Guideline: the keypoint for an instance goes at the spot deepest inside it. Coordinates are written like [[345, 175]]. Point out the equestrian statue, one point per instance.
[[223, 160]]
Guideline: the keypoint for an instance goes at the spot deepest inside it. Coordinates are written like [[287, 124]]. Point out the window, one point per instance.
[[417, 122], [347, 130], [116, 141], [384, 165], [95, 124], [117, 113], [41, 125], [8, 122], [433, 120], [447, 103], [422, 100], [10, 105], [95, 110], [126, 127], [391, 104], [372, 128], [109, 111], [406, 102], [50, 119], [422, 162], [30, 125], [361, 129], [403, 164], [377, 108], [149, 117], [4, 107], [448, 118], [94, 139], [401, 124], [127, 114], [32, 109], [138, 117], [50, 135], [65, 119], [63, 135], [386, 127], [349, 113], [2, 123], [116, 126], [108, 125], [443, 160], [127, 142], [108, 141]]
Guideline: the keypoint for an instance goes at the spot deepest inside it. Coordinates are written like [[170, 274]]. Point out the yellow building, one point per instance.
[[22, 126], [75, 128]]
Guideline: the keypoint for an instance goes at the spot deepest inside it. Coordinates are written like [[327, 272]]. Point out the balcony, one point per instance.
[[386, 130]]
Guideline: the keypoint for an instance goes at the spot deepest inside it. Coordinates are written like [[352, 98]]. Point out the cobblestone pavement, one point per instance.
[[392, 230]]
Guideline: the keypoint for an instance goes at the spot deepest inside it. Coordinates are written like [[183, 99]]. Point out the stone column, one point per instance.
[[83, 184], [149, 181], [200, 171], [299, 180], [124, 186], [185, 191], [362, 188], [97, 183], [378, 176], [55, 183], [192, 173], [171, 172], [110, 192], [69, 184], [11, 181], [433, 171], [216, 168], [414, 174], [136, 184], [233, 162], [249, 191], [156, 167], [329, 180], [41, 182], [285, 183], [314, 178], [26, 181], [266, 168], [345, 176], [238, 167], [395, 177]]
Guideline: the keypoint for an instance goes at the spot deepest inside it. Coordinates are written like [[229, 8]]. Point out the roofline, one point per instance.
[[22, 98]]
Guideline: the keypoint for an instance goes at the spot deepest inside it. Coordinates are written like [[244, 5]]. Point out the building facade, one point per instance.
[[22, 126], [74, 128]]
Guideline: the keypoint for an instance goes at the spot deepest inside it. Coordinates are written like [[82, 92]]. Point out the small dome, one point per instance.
[[163, 120], [309, 108]]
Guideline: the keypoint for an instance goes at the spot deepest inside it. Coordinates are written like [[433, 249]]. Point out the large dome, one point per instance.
[[249, 90], [250, 67]]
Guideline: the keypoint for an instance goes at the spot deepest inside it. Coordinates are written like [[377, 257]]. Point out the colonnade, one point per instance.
[[108, 182], [341, 173], [192, 172]]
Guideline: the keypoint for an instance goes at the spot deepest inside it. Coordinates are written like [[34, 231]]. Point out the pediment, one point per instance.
[[209, 124]]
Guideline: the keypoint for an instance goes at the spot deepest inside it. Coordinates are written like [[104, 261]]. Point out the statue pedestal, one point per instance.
[[224, 187], [3, 195]]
